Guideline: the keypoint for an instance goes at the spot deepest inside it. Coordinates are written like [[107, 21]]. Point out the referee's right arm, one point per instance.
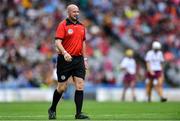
[[60, 49]]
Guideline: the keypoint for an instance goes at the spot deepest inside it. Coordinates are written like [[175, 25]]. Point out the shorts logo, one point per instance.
[[70, 31], [63, 77]]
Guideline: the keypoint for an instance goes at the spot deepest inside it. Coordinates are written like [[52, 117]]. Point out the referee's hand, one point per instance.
[[86, 63], [67, 57]]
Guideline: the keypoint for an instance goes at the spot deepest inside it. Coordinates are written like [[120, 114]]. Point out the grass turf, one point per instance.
[[106, 111]]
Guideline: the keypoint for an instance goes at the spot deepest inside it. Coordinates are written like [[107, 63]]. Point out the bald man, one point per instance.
[[72, 61]]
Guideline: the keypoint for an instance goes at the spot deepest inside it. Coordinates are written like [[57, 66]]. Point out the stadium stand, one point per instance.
[[27, 30]]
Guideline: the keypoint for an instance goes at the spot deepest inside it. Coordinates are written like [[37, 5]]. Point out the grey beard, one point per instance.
[[74, 19]]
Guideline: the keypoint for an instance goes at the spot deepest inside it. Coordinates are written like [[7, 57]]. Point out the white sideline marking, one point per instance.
[[24, 116], [70, 116], [64, 116]]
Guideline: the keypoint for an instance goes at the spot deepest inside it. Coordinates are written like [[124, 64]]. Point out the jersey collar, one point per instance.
[[68, 22]]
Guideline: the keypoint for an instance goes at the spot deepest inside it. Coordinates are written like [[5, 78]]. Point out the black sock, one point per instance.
[[78, 99], [56, 98]]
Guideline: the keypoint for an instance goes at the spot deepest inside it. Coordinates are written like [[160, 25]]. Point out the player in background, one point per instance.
[[128, 65], [154, 59]]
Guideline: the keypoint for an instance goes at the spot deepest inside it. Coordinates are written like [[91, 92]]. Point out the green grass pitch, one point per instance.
[[104, 111]]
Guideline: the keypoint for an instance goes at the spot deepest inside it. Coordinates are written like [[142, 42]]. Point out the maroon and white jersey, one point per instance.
[[155, 59], [129, 64]]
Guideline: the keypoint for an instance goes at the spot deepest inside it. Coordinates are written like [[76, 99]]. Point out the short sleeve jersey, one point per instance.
[[129, 64], [154, 59], [72, 36]]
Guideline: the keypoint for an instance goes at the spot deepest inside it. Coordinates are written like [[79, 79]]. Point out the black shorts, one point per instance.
[[74, 68]]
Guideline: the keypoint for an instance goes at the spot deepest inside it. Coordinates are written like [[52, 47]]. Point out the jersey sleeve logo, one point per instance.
[[70, 31]]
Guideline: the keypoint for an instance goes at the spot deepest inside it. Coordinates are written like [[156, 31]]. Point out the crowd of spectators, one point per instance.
[[27, 32]]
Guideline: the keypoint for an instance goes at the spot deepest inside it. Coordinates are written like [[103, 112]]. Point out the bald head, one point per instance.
[[73, 12], [72, 7]]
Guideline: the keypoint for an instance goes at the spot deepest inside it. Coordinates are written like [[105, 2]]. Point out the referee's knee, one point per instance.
[[61, 88], [80, 85]]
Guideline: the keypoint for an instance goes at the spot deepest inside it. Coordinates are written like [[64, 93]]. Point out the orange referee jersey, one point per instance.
[[72, 36]]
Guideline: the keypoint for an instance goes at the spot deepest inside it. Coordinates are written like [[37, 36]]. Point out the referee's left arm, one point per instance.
[[84, 50], [85, 55]]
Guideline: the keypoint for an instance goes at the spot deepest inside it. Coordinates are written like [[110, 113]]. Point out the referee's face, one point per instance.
[[73, 13]]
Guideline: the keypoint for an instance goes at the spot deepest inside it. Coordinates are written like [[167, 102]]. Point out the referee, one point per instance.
[[72, 61]]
